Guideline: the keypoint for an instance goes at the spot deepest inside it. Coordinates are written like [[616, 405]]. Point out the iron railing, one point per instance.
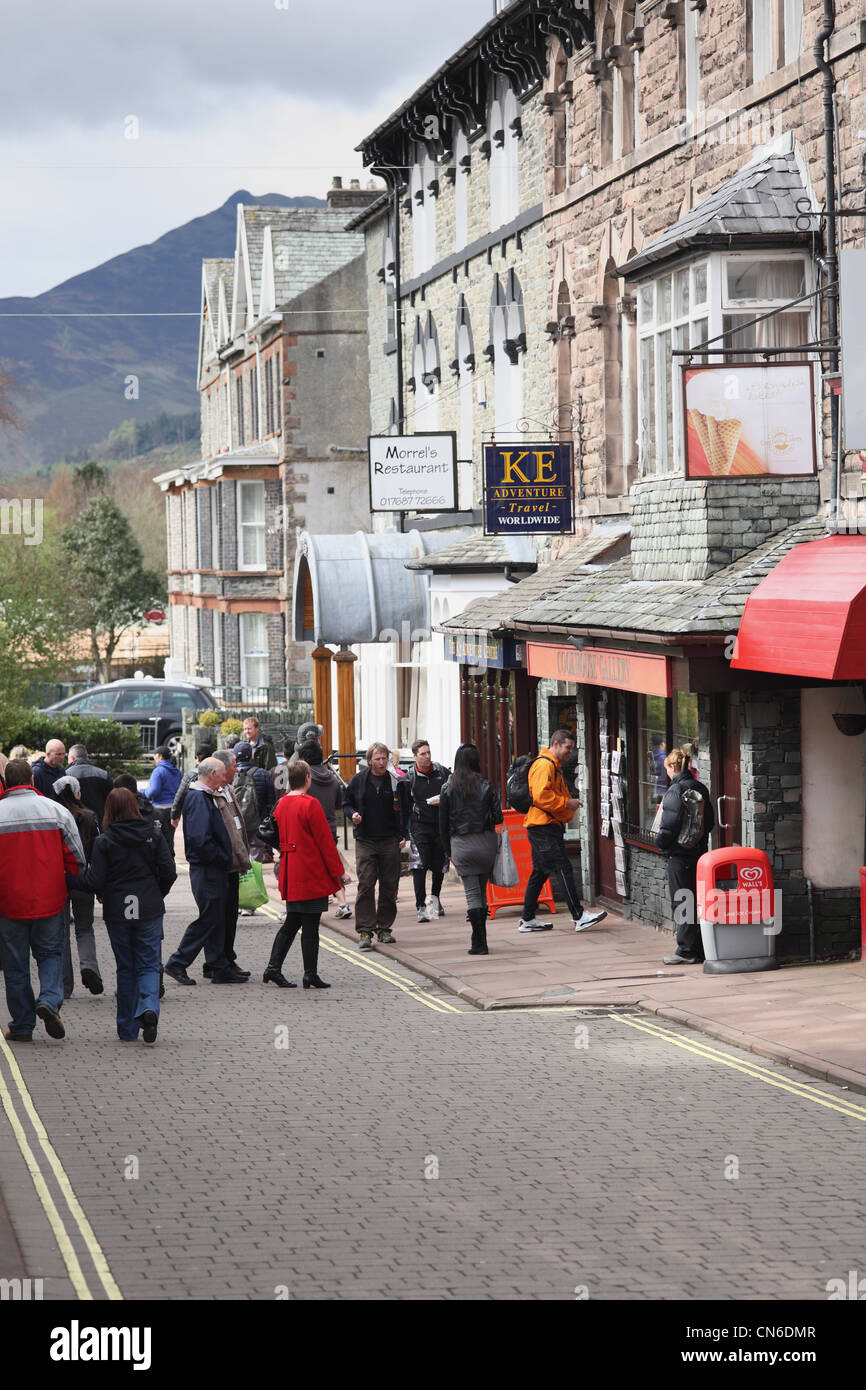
[[296, 701]]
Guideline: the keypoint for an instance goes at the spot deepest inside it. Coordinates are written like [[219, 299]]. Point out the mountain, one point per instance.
[[69, 374]]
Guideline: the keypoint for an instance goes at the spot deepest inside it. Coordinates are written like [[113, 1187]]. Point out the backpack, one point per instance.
[[245, 790], [517, 790], [691, 830]]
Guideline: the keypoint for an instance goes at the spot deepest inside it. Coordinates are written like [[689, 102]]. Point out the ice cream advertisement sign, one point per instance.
[[750, 420]]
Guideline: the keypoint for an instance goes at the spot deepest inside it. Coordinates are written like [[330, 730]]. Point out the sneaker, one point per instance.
[[386, 939], [91, 981], [680, 960], [343, 912], [588, 919], [366, 941], [53, 1025], [423, 914], [435, 906], [533, 924], [148, 1026]]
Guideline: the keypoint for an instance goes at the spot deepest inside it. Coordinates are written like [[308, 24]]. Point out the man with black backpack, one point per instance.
[[254, 790], [538, 787], [684, 832]]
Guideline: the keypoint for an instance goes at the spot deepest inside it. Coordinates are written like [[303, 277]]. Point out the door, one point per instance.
[[605, 720], [728, 807]]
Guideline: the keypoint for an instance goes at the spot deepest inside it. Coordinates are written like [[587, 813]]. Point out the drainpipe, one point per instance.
[[821, 40]]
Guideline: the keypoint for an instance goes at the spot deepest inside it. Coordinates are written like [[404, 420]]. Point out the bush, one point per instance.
[[231, 726], [111, 746], [209, 718]]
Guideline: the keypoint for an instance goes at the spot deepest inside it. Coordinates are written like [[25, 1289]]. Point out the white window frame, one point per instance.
[[214, 527], [246, 525], [793, 34], [217, 647], [259, 654], [667, 456], [762, 38], [692, 66]]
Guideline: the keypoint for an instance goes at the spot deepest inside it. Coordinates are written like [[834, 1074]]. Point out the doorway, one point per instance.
[[728, 806], [604, 710]]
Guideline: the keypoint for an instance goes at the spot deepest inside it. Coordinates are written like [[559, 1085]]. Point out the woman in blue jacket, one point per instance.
[[164, 780]]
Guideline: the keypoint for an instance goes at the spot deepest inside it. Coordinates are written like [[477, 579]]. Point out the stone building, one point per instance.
[[284, 422]]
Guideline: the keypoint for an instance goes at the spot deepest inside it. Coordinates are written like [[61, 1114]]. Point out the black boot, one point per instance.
[[310, 953], [478, 918]]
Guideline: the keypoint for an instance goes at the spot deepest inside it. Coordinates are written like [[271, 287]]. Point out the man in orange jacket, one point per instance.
[[552, 807]]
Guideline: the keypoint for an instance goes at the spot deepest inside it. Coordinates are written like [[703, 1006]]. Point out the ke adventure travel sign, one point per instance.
[[413, 472], [527, 489], [640, 671], [751, 420]]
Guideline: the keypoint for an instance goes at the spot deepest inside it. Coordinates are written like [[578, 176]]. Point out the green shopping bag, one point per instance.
[[251, 888]]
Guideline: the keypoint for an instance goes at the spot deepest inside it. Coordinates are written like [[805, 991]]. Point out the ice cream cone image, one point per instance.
[[719, 440]]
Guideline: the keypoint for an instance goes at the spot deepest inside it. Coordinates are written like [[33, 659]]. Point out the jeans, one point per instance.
[[136, 947], [376, 861], [432, 855], [79, 906], [44, 937], [549, 860], [308, 924], [208, 932]]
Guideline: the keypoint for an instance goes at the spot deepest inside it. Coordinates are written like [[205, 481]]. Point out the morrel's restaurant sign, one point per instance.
[[527, 489], [640, 671], [413, 472]]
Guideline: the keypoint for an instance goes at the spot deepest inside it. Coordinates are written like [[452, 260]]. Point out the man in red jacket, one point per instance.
[[39, 844]]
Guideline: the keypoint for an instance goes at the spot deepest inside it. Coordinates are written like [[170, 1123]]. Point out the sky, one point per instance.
[[119, 121]]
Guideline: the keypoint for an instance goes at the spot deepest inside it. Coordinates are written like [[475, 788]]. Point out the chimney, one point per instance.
[[353, 197]]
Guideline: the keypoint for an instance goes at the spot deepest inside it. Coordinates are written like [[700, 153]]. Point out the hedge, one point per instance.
[[108, 743]]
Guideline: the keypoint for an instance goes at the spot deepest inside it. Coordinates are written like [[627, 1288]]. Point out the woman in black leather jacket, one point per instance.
[[469, 811]]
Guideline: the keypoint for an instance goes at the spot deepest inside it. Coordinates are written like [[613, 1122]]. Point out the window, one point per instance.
[[254, 403], [661, 725], [691, 66], [672, 313], [775, 34], [464, 368], [215, 527], [142, 700], [503, 133], [217, 647], [462, 165], [175, 700], [752, 286], [251, 526], [95, 702], [254, 650], [505, 350], [427, 372], [239, 398], [423, 193], [559, 111]]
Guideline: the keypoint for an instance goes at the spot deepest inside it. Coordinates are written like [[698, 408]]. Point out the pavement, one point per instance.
[[812, 1017]]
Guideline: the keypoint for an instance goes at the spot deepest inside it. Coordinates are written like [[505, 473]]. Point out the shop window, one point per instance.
[[251, 526], [254, 650], [661, 725]]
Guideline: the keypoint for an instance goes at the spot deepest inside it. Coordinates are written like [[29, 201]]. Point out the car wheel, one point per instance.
[[174, 744]]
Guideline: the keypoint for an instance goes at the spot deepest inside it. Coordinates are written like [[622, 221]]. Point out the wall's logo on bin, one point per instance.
[[753, 875]]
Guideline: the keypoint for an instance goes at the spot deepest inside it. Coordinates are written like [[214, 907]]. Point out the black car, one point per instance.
[[153, 703]]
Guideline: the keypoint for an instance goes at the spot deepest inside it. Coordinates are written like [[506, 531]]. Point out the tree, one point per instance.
[[35, 613], [110, 589]]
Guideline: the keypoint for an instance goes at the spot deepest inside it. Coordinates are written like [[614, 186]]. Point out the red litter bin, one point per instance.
[[737, 911]]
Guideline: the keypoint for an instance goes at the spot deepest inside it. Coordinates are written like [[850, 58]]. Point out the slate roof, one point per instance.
[[570, 594], [303, 257], [757, 204], [481, 552]]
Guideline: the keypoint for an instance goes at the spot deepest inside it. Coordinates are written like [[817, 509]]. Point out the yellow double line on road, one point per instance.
[[375, 967], [753, 1069], [49, 1206]]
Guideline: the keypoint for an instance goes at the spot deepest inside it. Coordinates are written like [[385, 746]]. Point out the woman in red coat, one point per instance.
[[310, 871]]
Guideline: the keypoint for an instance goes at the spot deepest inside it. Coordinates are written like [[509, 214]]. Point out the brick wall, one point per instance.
[[228, 525], [231, 649]]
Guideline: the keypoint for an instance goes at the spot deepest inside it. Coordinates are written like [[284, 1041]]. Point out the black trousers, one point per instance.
[[683, 885], [209, 888], [308, 925], [549, 860], [432, 853], [232, 890]]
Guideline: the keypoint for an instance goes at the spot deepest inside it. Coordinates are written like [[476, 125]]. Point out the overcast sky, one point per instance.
[[268, 95]]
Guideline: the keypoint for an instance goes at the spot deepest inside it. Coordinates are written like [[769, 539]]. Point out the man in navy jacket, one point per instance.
[[209, 854]]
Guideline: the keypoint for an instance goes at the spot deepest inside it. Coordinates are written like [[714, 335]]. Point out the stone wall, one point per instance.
[[689, 528]]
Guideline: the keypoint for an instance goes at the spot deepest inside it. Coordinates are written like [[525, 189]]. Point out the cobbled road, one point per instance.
[[372, 1141]]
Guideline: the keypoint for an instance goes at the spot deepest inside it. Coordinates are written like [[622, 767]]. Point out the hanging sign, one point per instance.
[[413, 472], [527, 489]]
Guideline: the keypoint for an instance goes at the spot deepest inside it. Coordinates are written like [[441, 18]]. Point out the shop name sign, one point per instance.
[[413, 472], [640, 671], [527, 489], [465, 647]]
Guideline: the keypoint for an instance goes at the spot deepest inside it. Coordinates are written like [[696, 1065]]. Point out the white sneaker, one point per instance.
[[435, 906], [588, 919], [423, 915], [534, 925]]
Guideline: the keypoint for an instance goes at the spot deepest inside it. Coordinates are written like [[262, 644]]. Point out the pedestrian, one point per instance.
[[310, 870], [237, 832], [131, 872], [165, 779], [49, 766], [79, 905], [19, 751], [552, 808], [39, 844], [307, 734], [469, 812], [327, 788], [256, 797], [94, 781], [264, 753], [426, 780], [378, 803], [204, 750], [684, 834], [209, 855]]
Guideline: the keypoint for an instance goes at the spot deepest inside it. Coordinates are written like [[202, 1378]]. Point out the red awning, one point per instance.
[[808, 617]]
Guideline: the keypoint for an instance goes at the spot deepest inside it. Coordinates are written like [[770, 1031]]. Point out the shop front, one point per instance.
[[498, 710]]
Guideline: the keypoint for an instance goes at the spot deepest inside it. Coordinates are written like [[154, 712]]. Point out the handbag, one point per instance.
[[269, 832], [504, 873], [251, 888]]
